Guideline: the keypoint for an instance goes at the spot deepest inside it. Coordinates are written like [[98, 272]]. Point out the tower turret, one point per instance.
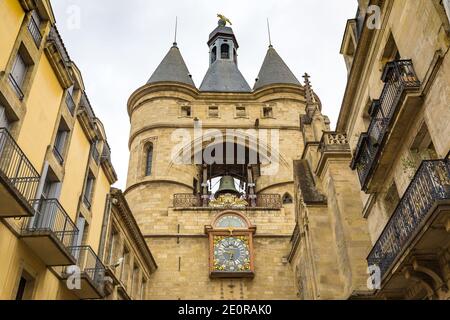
[[223, 74]]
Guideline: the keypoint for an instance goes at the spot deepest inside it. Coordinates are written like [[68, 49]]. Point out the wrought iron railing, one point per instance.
[[189, 200], [35, 32], [70, 103], [431, 183], [16, 168], [89, 265], [399, 76], [50, 217], [16, 87]]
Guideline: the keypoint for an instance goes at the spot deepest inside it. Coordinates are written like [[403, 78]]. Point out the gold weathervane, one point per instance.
[[224, 19]]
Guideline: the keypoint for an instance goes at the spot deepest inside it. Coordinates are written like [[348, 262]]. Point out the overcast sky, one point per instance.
[[118, 44]]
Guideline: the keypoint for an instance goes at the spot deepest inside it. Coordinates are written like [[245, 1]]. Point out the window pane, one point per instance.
[[19, 70], [149, 160]]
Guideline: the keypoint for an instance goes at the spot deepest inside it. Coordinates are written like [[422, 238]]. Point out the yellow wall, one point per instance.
[[102, 188], [18, 256], [75, 169], [11, 17], [42, 110]]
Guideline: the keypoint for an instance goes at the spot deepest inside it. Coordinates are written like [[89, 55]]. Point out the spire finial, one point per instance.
[[310, 99], [268, 32], [176, 30]]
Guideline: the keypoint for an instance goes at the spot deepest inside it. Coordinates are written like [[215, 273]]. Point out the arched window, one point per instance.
[[149, 159], [225, 51], [213, 54], [287, 199]]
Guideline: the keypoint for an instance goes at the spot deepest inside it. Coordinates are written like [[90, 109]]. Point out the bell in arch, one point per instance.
[[227, 186]]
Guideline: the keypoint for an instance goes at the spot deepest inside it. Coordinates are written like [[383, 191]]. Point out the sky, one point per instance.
[[117, 45]]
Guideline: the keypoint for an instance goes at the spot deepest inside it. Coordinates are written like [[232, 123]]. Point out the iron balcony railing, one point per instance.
[[70, 103], [189, 200], [16, 87], [430, 184], [16, 168], [50, 217], [399, 76], [89, 265], [35, 32]]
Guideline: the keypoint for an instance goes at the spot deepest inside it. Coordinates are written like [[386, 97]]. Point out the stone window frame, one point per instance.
[[287, 196], [189, 113], [23, 52], [272, 110], [244, 115], [218, 111], [143, 156]]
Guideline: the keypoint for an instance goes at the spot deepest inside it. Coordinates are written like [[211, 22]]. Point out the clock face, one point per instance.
[[231, 254], [231, 221]]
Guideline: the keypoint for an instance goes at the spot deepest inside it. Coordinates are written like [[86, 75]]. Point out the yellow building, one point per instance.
[[55, 168]]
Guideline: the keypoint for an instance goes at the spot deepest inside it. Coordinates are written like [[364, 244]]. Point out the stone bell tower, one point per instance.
[[235, 243]]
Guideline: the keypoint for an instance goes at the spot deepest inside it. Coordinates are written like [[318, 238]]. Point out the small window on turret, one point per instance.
[[267, 112], [186, 111], [225, 51], [213, 112], [241, 112]]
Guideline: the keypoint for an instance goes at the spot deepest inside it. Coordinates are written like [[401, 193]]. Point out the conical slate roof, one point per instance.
[[274, 70], [224, 76], [172, 68]]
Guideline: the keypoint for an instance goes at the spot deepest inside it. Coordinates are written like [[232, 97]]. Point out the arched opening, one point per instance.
[[287, 198], [234, 55], [148, 159], [213, 54], [225, 51]]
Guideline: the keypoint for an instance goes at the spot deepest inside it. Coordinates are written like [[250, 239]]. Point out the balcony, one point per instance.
[[33, 28], [418, 224], [191, 201], [397, 105], [92, 273], [70, 103], [50, 233], [18, 179]]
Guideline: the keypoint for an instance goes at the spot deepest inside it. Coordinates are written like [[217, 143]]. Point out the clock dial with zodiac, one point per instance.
[[231, 254]]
